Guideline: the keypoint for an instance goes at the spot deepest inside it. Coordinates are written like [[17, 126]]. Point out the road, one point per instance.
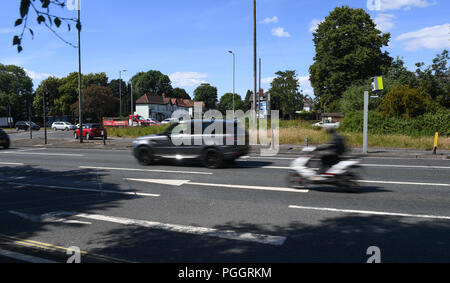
[[114, 210]]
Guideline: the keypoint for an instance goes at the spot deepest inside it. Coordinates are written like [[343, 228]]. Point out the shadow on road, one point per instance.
[[341, 239]]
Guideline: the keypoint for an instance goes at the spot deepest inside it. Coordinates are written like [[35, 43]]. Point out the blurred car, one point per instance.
[[63, 126], [214, 150], [23, 125], [170, 121], [327, 125], [91, 131], [4, 139]]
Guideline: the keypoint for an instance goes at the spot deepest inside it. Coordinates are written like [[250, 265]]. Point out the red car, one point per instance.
[[91, 131]]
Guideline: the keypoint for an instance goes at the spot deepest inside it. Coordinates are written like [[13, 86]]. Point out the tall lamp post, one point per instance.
[[80, 102], [120, 91], [130, 82], [234, 76]]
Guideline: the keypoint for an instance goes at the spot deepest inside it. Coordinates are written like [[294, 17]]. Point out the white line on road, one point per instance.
[[365, 165], [210, 232], [84, 190], [11, 164], [43, 154], [187, 182], [371, 212], [146, 170], [24, 258], [404, 183]]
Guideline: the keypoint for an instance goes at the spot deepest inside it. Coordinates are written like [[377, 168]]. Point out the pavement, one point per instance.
[[102, 203], [65, 139]]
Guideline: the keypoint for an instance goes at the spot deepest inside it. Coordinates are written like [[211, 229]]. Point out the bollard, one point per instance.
[[436, 138], [306, 142]]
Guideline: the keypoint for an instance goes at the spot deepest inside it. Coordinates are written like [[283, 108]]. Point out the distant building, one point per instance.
[[162, 107], [307, 106]]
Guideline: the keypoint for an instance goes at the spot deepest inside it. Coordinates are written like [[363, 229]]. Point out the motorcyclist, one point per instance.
[[331, 152]]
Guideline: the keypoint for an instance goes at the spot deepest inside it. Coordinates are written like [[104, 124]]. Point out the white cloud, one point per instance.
[[270, 20], [37, 76], [385, 5], [280, 32], [187, 79], [267, 80], [6, 30], [314, 24], [385, 22], [436, 38]]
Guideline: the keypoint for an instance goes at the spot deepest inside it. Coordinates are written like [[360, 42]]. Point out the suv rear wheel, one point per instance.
[[144, 156], [213, 159]]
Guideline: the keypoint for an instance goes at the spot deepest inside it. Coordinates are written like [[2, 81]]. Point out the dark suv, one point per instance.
[[22, 125], [4, 139], [195, 139]]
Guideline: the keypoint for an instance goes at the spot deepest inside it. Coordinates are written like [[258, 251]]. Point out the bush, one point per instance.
[[425, 125], [406, 102]]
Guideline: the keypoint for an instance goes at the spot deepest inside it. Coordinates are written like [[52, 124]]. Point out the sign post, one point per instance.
[[377, 85]]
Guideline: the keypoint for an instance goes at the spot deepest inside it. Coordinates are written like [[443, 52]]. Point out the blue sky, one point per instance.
[[190, 40]]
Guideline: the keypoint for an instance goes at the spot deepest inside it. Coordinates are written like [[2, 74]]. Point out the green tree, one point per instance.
[[180, 93], [50, 86], [94, 106], [405, 102], [435, 79], [15, 88], [208, 94], [151, 82], [226, 102], [348, 51], [285, 93]]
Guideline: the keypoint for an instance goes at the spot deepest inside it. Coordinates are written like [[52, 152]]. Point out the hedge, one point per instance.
[[425, 125]]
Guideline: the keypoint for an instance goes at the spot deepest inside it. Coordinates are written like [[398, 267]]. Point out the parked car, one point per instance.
[[170, 121], [213, 154], [91, 131], [22, 125], [63, 126], [327, 125], [4, 139]]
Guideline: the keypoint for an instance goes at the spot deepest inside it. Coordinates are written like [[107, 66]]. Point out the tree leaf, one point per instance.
[[40, 19], [24, 7], [18, 22], [57, 22], [16, 40]]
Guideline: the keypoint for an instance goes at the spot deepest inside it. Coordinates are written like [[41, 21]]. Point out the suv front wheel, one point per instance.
[[213, 159], [145, 156]]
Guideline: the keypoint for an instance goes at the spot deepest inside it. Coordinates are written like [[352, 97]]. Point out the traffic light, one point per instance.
[[377, 84]]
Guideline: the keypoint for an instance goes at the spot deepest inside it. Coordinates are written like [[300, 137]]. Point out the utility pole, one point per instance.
[[255, 71], [120, 91], [29, 115], [234, 77], [132, 103], [259, 92], [80, 102], [45, 116]]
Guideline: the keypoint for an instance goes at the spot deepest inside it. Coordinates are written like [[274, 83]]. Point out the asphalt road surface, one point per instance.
[[55, 202]]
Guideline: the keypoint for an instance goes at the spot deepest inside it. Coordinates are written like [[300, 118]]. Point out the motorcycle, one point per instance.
[[341, 175]]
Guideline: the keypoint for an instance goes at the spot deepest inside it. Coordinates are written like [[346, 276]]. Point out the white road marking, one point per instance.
[[43, 154], [12, 164], [371, 212], [405, 166], [24, 258], [84, 190], [201, 231], [404, 183], [188, 182], [47, 218], [146, 170]]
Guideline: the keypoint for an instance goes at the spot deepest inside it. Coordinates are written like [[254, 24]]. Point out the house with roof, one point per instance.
[[162, 107]]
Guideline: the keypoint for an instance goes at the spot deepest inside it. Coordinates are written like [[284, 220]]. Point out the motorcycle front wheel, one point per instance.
[[294, 180], [350, 183]]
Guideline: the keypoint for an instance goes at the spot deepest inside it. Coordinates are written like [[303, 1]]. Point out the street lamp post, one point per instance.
[[80, 102], [120, 91], [234, 76], [131, 102]]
